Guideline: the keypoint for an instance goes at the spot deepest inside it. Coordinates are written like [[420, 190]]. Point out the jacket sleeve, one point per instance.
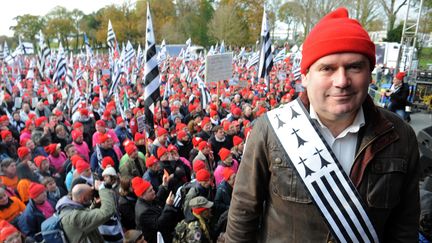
[[251, 187], [404, 221], [90, 220]]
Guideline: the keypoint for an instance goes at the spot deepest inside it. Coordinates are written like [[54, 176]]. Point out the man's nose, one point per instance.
[[341, 78]]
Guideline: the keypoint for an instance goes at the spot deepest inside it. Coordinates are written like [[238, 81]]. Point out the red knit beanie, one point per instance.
[[75, 134], [81, 166], [35, 190], [6, 230], [107, 161], [22, 152], [161, 151], [161, 131], [237, 140], [138, 136], [203, 175], [5, 133], [202, 145], [130, 148], [140, 186], [50, 149], [198, 165], [400, 75], [336, 33], [224, 153], [74, 159], [181, 134], [150, 161], [38, 160]]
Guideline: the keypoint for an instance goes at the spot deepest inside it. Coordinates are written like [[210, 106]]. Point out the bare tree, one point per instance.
[[391, 9]]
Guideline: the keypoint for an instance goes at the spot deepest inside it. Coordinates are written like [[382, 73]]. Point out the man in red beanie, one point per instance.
[[161, 140], [134, 165], [202, 186], [398, 94], [303, 159], [151, 215], [37, 210]]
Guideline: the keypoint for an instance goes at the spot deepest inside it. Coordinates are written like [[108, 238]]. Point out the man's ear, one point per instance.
[[304, 80]]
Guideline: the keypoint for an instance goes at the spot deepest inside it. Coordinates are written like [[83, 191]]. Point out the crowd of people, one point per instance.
[[110, 178]]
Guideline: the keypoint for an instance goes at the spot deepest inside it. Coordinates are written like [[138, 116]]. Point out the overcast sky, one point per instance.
[[14, 8]]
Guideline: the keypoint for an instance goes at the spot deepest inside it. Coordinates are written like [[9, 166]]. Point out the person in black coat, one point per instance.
[[151, 215], [223, 193], [398, 94], [219, 140], [126, 204]]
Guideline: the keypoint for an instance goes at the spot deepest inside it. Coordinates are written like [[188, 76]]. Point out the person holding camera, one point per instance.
[[80, 221]]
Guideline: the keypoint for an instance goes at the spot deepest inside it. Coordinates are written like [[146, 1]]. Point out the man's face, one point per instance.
[[26, 107], [220, 134], [163, 138], [337, 85], [71, 151], [41, 198], [150, 194], [396, 81]]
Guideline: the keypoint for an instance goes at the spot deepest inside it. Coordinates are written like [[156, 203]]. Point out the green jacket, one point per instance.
[[129, 168], [80, 224]]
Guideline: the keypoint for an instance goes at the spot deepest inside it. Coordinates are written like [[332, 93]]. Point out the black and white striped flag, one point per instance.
[[266, 57], [280, 56], [151, 72], [204, 92], [60, 67], [295, 70], [118, 71], [111, 38], [330, 188], [253, 60], [69, 73], [129, 53], [44, 55]]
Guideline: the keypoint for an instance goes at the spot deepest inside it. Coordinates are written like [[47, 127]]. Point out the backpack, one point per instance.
[[52, 230], [181, 193]]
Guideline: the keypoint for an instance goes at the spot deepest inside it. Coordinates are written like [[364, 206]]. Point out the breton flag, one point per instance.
[[118, 71], [162, 55], [253, 60], [69, 73], [329, 186], [5, 50], [89, 51], [295, 70], [60, 67], [167, 92], [266, 57], [25, 48], [44, 55], [280, 56], [204, 92], [151, 73], [129, 52], [111, 38]]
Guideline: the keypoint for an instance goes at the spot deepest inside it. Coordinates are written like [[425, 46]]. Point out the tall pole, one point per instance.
[[402, 41]]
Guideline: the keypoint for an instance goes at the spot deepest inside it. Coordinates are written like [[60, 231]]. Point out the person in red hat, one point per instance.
[[104, 148], [8, 233], [8, 145], [398, 94], [226, 161], [237, 149], [56, 157], [365, 143], [121, 131], [219, 140], [206, 127], [202, 186], [80, 145], [134, 164], [102, 128], [151, 217], [224, 192], [205, 154], [87, 123], [153, 174], [37, 210], [83, 173], [160, 141]]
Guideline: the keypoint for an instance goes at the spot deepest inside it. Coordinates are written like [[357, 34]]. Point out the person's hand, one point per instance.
[[170, 199], [97, 184], [165, 179]]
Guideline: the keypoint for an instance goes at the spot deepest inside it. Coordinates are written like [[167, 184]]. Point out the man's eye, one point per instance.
[[325, 69]]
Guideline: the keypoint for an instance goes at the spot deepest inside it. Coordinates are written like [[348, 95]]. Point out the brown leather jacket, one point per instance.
[[270, 203]]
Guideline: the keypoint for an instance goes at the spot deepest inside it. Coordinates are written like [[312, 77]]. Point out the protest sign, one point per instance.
[[218, 67]]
